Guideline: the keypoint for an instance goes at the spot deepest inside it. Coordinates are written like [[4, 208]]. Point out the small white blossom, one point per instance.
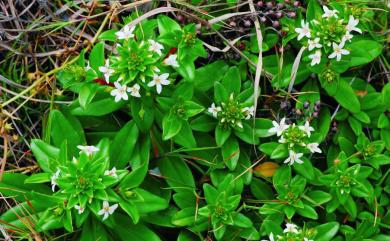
[[155, 69], [315, 43], [107, 210], [306, 239], [111, 173], [214, 110], [307, 128], [54, 180], [79, 208], [304, 31], [313, 147], [119, 92], [106, 70], [159, 81], [248, 112], [88, 149], [352, 23], [293, 157], [282, 140], [125, 33], [271, 237], [315, 58], [329, 13], [347, 37], [291, 228], [155, 46], [279, 127], [134, 90], [338, 51], [171, 60]]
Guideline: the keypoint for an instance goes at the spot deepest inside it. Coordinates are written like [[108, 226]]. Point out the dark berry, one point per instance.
[[247, 23], [280, 5], [263, 19], [269, 4], [318, 103], [232, 24], [297, 4], [276, 24], [298, 112], [292, 14], [279, 14], [260, 3], [306, 105], [180, 18], [315, 114]]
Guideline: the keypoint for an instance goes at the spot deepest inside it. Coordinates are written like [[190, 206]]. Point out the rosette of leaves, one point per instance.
[[292, 196], [82, 182]]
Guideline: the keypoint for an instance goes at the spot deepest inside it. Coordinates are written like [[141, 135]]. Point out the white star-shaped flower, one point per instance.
[[159, 81], [155, 46], [106, 70], [271, 237], [293, 157], [171, 60], [315, 58], [120, 92], [125, 33], [279, 127], [304, 31], [338, 51], [315, 43], [313, 147], [214, 110], [134, 90], [291, 228], [352, 23], [79, 208], [88, 149], [329, 13], [347, 37], [248, 112], [54, 179], [111, 173], [307, 128], [107, 210]]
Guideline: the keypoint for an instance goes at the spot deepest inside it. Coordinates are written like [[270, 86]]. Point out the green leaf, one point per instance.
[[96, 57], [86, 94], [313, 11], [167, 25], [346, 97], [318, 197], [231, 152], [177, 174], [326, 231], [171, 126], [99, 107], [38, 178], [307, 211], [202, 79], [364, 51], [261, 190], [221, 135], [185, 137], [138, 232], [350, 207], [45, 154], [220, 93], [123, 145], [232, 81], [240, 220]]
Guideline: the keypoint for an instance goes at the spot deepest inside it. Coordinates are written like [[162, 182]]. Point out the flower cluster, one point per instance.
[[290, 233], [138, 63], [84, 184], [232, 113], [296, 138], [330, 34]]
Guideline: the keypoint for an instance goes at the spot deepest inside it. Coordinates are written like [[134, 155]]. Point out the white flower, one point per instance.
[[347, 37], [155, 46], [351, 26], [307, 128], [111, 173], [271, 237], [119, 92], [248, 112], [214, 110], [282, 139], [54, 180], [314, 44], [291, 228], [304, 31], [338, 51], [159, 81], [107, 210], [88, 67], [315, 58], [293, 157], [171, 60], [125, 33], [279, 127], [329, 13], [134, 90], [306, 239], [313, 147], [106, 70], [88, 149], [79, 208]]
